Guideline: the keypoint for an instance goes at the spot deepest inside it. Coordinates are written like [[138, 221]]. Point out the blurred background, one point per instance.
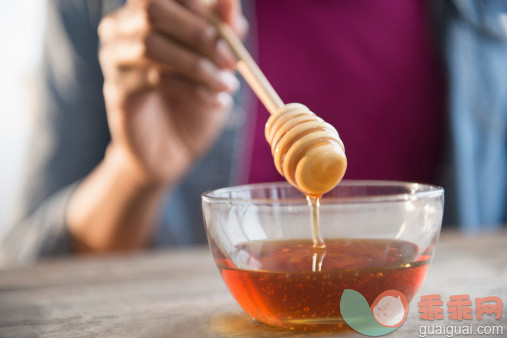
[[430, 85], [21, 32]]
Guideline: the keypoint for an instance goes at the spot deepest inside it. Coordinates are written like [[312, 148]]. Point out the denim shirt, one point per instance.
[[474, 45]]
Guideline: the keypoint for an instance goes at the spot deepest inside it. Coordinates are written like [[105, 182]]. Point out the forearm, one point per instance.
[[112, 209]]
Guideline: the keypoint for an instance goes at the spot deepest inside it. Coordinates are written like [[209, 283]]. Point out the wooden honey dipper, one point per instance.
[[307, 151]]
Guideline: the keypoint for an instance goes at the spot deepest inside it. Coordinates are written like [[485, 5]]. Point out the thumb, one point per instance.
[[230, 12]]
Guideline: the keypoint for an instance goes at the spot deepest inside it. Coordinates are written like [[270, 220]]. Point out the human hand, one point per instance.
[[168, 82]]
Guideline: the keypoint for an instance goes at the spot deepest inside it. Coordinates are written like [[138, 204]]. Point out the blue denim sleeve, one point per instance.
[[485, 15], [475, 50]]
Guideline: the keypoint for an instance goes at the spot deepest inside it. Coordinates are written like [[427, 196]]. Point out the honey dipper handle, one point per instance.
[[248, 68]]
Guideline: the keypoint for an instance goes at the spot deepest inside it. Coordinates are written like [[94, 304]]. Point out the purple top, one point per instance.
[[369, 68]]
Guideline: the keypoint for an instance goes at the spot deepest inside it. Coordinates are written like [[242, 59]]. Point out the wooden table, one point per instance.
[[179, 293]]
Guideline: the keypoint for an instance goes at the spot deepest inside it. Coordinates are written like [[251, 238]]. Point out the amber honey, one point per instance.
[[293, 284]]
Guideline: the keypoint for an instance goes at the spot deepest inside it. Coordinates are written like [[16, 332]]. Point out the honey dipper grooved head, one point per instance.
[[307, 151]]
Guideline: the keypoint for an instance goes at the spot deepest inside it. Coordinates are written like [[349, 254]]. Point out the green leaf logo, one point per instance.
[[387, 313]]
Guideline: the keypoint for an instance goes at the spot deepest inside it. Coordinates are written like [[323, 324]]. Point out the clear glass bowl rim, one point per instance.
[[418, 191]]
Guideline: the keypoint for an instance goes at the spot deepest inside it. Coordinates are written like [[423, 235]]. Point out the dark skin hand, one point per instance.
[[168, 81]]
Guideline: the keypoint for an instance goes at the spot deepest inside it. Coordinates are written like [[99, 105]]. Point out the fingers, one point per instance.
[[154, 47], [170, 35], [174, 21], [128, 82], [230, 11], [199, 95], [127, 22], [191, 30]]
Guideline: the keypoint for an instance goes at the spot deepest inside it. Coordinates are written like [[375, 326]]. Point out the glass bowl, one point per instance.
[[380, 235]]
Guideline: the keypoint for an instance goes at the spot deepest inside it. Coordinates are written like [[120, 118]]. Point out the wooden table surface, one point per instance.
[[180, 293]]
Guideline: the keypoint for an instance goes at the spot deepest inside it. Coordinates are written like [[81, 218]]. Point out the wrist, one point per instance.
[[120, 164], [114, 207]]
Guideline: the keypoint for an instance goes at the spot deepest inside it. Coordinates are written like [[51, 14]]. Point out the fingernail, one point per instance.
[[224, 99], [241, 24], [225, 55], [228, 79]]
